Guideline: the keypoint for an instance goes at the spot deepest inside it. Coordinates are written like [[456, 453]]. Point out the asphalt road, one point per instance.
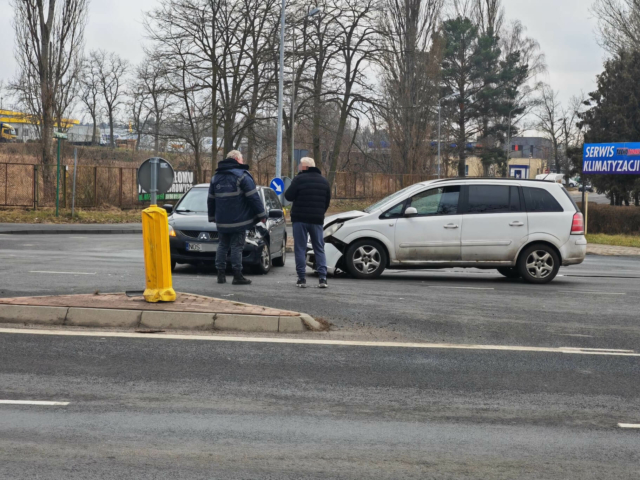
[[592, 305], [193, 409], [594, 197]]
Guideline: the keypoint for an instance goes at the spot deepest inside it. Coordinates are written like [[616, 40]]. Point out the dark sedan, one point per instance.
[[194, 240]]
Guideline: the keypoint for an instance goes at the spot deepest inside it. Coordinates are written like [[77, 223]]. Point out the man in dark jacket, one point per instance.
[[234, 204], [311, 195]]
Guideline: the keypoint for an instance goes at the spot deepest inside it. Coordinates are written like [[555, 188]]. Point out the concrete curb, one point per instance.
[[119, 318]]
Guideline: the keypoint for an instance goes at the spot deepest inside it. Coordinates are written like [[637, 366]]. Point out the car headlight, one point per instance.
[[332, 229], [172, 232], [254, 234]]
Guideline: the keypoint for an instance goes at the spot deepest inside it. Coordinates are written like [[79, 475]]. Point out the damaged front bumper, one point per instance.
[[332, 254]]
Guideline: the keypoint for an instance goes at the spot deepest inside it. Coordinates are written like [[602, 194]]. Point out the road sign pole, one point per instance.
[[154, 182], [58, 181], [156, 177], [75, 170]]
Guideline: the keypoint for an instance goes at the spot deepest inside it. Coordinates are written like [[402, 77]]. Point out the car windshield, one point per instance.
[[194, 201], [388, 199]]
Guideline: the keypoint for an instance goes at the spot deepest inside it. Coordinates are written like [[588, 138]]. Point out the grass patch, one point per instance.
[[48, 215], [340, 206], [617, 240]]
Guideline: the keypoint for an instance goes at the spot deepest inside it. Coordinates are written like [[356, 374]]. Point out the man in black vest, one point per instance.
[[311, 195], [234, 204]]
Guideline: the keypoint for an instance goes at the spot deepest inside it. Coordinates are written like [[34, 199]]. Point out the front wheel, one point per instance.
[[539, 264], [264, 265], [509, 272], [366, 259]]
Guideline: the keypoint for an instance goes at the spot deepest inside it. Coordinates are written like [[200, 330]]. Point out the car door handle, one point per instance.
[[516, 224], [451, 225]]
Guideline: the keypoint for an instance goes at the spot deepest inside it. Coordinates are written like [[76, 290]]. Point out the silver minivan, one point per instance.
[[523, 228]]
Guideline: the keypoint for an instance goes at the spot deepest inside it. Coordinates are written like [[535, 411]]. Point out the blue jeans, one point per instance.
[[301, 233], [235, 243]]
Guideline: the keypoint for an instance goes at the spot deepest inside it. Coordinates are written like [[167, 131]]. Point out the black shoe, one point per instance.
[[323, 283], [238, 279], [302, 283], [222, 278]]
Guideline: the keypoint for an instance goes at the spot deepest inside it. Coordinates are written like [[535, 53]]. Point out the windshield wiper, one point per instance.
[[185, 211]]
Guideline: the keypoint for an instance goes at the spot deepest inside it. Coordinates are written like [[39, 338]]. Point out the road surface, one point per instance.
[[193, 409]]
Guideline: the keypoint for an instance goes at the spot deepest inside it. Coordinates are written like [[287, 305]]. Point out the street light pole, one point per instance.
[[280, 94]]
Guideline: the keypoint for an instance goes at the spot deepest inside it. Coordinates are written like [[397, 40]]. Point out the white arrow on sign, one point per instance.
[[277, 188]]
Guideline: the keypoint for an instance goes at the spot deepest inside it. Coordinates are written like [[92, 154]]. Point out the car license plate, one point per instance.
[[201, 247]]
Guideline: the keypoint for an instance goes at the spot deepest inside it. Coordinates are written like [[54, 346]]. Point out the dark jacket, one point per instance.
[[234, 203], [311, 196]]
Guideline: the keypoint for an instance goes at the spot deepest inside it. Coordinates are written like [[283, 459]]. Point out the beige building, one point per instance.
[[518, 167]]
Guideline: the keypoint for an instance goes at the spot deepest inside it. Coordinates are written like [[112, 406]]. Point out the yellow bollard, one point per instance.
[[157, 256]]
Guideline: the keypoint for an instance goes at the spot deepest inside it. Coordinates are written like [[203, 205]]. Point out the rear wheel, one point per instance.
[[539, 264], [366, 259], [280, 261], [509, 272]]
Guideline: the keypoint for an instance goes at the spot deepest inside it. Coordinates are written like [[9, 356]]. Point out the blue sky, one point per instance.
[[565, 30]]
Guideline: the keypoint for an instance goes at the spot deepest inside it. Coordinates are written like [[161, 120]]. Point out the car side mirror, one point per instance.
[[276, 213], [410, 212], [168, 208]]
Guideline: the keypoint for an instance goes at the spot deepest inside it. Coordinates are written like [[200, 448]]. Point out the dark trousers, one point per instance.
[[235, 243], [301, 233]]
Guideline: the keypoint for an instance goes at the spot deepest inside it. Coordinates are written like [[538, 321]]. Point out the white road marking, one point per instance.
[[629, 425], [460, 288], [304, 341], [587, 292], [64, 273], [33, 402]]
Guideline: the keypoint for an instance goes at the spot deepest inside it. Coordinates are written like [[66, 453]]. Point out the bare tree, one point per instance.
[[90, 95], [410, 72], [618, 24], [111, 70], [137, 106], [49, 42], [550, 121], [359, 44], [152, 75]]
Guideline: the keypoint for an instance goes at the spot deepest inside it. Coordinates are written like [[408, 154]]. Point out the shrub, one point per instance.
[[613, 220]]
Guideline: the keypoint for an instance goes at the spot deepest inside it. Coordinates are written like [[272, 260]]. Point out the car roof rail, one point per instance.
[[492, 179]]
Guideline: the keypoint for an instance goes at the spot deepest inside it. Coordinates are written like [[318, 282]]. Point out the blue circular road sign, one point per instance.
[[277, 185]]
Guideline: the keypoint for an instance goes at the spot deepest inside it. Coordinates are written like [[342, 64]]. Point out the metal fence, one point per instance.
[[26, 185]]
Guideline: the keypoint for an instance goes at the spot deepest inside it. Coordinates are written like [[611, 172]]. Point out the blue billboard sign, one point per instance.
[[611, 158]]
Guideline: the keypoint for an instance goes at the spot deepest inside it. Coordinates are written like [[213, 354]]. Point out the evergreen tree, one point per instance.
[[614, 116]]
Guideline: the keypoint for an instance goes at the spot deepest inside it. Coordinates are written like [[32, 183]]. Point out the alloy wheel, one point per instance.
[[367, 259], [540, 264]]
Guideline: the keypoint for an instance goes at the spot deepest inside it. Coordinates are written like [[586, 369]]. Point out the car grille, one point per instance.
[[196, 233]]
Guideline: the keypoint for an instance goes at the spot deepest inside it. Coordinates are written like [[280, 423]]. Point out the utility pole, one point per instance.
[[280, 94]]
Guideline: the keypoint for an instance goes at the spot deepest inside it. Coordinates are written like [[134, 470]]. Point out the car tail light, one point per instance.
[[577, 227]]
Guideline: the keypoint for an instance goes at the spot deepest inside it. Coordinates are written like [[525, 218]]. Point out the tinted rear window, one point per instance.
[[493, 199], [540, 200]]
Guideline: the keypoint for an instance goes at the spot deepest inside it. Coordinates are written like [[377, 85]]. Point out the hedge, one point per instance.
[[613, 220]]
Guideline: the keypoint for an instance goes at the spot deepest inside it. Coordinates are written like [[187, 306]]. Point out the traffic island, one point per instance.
[[188, 312]]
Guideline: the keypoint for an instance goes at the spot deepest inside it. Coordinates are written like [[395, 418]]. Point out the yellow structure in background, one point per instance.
[[9, 116], [157, 256]]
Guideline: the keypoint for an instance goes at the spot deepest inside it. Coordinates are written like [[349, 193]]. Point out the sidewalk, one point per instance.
[[612, 250], [71, 228], [188, 312]]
